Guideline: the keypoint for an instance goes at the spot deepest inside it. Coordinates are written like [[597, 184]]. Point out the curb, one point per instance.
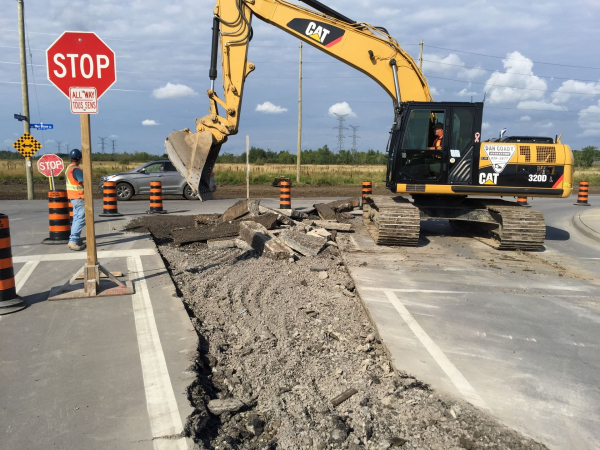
[[584, 229]]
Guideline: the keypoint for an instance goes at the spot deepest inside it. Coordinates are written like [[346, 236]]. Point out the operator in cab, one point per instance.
[[438, 129], [75, 194]]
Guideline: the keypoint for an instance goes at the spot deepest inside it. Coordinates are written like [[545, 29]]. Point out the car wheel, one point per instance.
[[124, 191], [188, 193]]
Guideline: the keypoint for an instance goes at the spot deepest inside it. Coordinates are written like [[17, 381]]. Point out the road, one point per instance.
[[513, 333]]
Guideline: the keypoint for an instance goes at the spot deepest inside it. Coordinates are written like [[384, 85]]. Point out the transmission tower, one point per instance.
[[67, 149], [341, 128], [354, 136], [58, 144], [113, 145], [102, 139]]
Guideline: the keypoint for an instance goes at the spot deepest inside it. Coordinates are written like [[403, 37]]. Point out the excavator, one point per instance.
[[439, 167]]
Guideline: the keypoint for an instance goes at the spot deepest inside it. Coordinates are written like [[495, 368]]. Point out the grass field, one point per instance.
[[319, 175]]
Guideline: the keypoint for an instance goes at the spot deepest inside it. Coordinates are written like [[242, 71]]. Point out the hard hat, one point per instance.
[[75, 154]]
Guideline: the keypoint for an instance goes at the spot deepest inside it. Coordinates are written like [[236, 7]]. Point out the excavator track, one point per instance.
[[519, 228], [392, 221]]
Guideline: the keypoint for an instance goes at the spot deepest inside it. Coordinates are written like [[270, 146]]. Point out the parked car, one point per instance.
[[137, 181]]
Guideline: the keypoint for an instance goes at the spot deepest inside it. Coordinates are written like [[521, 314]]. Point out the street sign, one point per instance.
[[27, 145], [41, 126], [83, 100], [50, 165], [20, 117], [80, 58]]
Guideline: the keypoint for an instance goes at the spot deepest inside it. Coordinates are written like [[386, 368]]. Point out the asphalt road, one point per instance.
[[514, 333]]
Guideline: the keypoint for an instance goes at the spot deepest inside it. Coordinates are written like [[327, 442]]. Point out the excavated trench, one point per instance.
[[288, 359]]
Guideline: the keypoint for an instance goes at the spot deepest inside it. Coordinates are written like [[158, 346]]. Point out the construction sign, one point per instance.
[[27, 145]]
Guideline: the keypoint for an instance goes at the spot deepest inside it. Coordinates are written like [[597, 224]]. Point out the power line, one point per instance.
[[514, 59]]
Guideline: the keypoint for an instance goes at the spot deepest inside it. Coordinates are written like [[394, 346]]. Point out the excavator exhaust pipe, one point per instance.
[[194, 156]]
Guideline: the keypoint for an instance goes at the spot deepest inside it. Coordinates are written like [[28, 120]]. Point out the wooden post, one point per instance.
[[91, 272], [247, 166], [298, 164]]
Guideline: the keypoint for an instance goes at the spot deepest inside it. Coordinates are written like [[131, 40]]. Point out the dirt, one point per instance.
[[17, 190], [279, 340]]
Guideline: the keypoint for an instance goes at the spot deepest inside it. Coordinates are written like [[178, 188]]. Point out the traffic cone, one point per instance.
[[109, 198], [9, 300], [582, 196], [58, 215], [285, 194], [156, 204], [522, 201]]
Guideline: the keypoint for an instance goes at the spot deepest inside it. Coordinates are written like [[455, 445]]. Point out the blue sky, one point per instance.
[[543, 58]]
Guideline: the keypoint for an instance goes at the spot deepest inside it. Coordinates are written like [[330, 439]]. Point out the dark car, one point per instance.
[[137, 181]]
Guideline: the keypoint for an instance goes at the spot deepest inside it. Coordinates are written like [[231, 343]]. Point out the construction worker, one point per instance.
[[438, 129], [75, 194]]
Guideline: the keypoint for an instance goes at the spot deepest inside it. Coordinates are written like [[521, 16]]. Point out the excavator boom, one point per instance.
[[369, 49]]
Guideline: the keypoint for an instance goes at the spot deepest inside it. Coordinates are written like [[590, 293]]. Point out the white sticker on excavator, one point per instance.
[[499, 155]]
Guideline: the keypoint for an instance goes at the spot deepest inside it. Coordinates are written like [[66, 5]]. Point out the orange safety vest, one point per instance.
[[74, 187], [437, 143]]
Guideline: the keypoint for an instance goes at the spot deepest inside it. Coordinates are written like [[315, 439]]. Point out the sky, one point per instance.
[[539, 61]]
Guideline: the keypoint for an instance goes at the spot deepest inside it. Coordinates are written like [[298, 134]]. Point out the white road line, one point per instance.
[[24, 273], [425, 291], [160, 398], [354, 243], [73, 256], [450, 370]]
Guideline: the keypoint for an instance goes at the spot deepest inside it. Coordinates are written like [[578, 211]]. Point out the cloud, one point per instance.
[[541, 106], [564, 92], [113, 136], [450, 65], [485, 126], [519, 75], [433, 91], [466, 93], [149, 122], [48, 141], [525, 119], [341, 108], [547, 125], [589, 120], [270, 108], [386, 12], [173, 91]]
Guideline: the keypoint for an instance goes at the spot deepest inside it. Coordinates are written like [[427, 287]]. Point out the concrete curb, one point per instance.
[[584, 229]]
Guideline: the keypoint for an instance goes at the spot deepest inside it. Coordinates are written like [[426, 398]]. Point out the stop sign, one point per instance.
[[81, 59], [50, 165]]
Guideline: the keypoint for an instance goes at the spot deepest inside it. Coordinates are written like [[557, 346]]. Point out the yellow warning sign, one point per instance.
[[27, 145]]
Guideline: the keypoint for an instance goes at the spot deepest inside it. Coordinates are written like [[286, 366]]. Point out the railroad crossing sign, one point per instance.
[[50, 165], [27, 145]]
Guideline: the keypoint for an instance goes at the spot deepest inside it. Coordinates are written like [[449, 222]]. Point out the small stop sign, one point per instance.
[[81, 59], [50, 165]]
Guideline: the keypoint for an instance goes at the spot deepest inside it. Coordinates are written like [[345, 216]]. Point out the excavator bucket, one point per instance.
[[194, 155]]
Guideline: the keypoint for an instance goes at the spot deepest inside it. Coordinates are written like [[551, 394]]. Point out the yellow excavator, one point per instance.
[[436, 154]]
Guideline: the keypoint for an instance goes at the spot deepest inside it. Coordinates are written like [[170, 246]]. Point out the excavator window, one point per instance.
[[462, 129], [420, 159]]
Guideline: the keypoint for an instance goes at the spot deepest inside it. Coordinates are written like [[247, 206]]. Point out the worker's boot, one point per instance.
[[75, 246]]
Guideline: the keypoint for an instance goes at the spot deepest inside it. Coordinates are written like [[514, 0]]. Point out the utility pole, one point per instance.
[[102, 139], [113, 145], [299, 117], [421, 56], [341, 128], [25, 95]]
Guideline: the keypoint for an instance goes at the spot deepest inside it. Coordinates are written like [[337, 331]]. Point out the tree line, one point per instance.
[[322, 155]]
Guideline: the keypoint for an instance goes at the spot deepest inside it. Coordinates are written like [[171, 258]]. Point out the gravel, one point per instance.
[[280, 343]]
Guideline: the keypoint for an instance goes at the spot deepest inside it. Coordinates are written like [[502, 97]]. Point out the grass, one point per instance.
[[15, 169], [318, 175]]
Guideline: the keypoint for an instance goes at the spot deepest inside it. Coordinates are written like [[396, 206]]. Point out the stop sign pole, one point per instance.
[[83, 67]]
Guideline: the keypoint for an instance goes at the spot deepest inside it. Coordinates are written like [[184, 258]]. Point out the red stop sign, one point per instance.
[[50, 165], [81, 59]]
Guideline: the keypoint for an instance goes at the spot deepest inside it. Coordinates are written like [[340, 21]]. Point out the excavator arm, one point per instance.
[[369, 49]]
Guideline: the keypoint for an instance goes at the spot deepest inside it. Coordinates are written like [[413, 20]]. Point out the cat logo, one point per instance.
[[320, 32], [488, 178]]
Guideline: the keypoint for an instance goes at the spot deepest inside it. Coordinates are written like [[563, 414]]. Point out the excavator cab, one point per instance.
[[416, 157]]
